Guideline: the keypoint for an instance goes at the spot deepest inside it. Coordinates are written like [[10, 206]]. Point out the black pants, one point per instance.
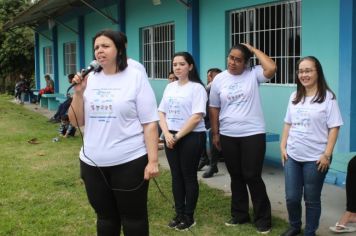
[[62, 109], [117, 207], [183, 161], [351, 186], [244, 161]]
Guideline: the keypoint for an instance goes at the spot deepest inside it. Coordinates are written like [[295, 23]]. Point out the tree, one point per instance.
[[16, 46]]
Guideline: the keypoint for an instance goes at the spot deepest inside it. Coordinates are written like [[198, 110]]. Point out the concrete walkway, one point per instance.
[[333, 197]]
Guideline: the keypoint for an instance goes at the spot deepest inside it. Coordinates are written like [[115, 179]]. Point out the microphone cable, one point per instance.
[[105, 179]]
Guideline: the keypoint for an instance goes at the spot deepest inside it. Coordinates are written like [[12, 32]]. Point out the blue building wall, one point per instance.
[[322, 36]]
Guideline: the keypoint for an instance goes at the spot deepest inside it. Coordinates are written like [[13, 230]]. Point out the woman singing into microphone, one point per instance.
[[119, 154]]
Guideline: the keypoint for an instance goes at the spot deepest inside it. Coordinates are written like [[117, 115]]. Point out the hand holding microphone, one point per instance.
[[79, 77]]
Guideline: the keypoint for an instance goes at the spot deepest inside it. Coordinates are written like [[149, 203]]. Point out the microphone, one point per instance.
[[94, 65]]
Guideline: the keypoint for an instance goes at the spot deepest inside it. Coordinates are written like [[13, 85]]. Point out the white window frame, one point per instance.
[[279, 36], [47, 60], [70, 57], [158, 46]]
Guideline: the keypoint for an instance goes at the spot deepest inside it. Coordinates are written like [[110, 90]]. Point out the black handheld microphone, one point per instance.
[[94, 65]]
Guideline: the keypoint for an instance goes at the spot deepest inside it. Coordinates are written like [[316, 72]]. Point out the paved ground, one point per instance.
[[333, 197]]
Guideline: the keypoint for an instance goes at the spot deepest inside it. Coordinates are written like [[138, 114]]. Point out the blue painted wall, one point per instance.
[[322, 37], [66, 36]]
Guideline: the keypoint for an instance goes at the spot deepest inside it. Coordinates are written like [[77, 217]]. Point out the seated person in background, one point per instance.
[[63, 107], [21, 88], [66, 129], [48, 89], [349, 215]]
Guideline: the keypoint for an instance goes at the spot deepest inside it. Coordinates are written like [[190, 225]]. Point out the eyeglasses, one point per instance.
[[236, 60], [307, 72]]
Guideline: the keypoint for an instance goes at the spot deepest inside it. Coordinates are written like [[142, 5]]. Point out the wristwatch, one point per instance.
[[175, 137]]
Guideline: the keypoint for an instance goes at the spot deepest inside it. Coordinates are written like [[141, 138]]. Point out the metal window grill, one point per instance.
[[274, 29], [158, 49], [70, 58], [48, 60]]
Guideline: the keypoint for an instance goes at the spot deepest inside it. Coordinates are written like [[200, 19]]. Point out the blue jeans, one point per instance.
[[305, 176]]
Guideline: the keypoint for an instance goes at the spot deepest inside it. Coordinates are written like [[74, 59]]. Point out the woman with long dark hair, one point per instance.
[[181, 113], [311, 127]]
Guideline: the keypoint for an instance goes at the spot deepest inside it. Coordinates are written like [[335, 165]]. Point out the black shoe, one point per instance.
[[263, 230], [186, 223], [204, 161], [210, 172], [175, 221], [291, 232]]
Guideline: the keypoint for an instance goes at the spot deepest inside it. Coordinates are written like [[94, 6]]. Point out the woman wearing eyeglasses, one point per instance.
[[310, 131], [238, 129]]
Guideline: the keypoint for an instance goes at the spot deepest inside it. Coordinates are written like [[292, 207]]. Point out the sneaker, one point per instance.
[[263, 230], [175, 221], [232, 222], [186, 223]]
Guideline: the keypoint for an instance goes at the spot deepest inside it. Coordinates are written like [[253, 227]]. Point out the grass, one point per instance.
[[41, 192]]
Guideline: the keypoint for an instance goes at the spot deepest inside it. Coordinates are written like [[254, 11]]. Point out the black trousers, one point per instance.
[[112, 204], [351, 186], [183, 161], [244, 161]]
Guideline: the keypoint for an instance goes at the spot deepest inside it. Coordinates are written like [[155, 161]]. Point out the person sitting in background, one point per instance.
[[21, 88], [63, 107], [48, 89], [65, 128], [349, 215]]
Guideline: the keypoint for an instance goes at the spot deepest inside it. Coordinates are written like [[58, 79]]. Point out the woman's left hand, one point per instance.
[[151, 170], [323, 163]]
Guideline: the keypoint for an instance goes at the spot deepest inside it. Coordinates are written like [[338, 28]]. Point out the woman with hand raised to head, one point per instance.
[[238, 129]]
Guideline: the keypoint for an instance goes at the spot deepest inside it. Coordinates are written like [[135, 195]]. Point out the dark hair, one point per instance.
[[193, 73], [64, 117], [119, 41], [247, 54], [47, 76], [216, 70], [322, 84], [123, 35], [70, 77]]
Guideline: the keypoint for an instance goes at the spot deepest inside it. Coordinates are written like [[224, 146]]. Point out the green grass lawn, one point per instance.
[[41, 192]]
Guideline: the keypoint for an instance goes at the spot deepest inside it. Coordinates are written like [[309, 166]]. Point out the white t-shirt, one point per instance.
[[137, 65], [179, 103], [310, 123], [115, 108], [239, 101]]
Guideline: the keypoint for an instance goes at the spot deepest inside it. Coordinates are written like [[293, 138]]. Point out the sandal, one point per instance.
[[338, 228]]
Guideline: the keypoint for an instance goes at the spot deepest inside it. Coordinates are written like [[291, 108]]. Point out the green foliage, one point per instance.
[[16, 46], [41, 192]]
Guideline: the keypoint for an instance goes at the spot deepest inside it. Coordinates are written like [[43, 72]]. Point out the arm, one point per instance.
[[188, 126], [268, 65], [214, 123], [164, 127], [76, 109], [324, 160], [283, 144], [151, 140]]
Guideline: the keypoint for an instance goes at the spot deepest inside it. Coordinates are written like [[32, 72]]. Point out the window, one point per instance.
[[274, 29], [70, 58], [158, 49], [48, 68]]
